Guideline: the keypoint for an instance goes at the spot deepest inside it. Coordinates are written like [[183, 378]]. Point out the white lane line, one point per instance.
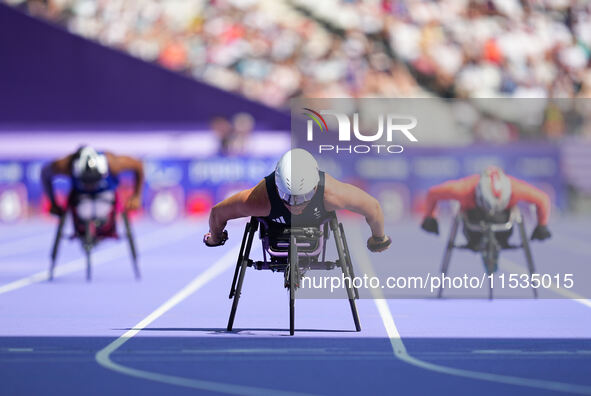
[[19, 349], [25, 229], [526, 352], [155, 239], [26, 244], [514, 267], [103, 357], [287, 352], [571, 245], [401, 353]]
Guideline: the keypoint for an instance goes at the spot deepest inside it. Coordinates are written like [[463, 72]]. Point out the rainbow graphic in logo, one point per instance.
[[314, 115]]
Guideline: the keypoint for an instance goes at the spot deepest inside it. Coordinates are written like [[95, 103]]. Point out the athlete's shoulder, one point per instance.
[[257, 199], [331, 185], [62, 166], [463, 184], [260, 189], [338, 194], [112, 159], [521, 187], [515, 182], [472, 179], [329, 180], [120, 163]]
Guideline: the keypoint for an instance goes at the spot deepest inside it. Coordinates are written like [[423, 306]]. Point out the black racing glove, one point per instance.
[[430, 225], [220, 243], [57, 210], [379, 244], [540, 233]]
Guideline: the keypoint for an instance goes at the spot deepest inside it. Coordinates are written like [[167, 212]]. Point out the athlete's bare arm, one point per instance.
[[121, 163], [457, 190], [58, 167], [522, 191], [339, 195], [251, 202]]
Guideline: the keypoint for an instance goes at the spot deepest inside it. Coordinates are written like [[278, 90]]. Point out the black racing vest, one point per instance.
[[313, 215]]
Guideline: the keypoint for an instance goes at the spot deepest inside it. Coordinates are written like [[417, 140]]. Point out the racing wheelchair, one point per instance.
[[292, 251], [93, 222], [493, 237]]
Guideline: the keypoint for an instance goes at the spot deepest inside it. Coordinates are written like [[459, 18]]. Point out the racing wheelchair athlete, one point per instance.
[[294, 210], [92, 200], [488, 213]]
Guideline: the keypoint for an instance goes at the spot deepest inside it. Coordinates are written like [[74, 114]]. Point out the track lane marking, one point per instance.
[[103, 357], [14, 231], [24, 244], [401, 353], [154, 239], [528, 352], [570, 245], [514, 267]]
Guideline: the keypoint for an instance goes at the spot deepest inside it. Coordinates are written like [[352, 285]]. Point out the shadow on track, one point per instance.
[[234, 331]]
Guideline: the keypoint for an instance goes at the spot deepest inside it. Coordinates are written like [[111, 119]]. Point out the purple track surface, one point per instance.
[[50, 332]]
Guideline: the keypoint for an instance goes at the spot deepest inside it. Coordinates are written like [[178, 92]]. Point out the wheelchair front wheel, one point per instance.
[[293, 280], [88, 245], [490, 258], [490, 253]]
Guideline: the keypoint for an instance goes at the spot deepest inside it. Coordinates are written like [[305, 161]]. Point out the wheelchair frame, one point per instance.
[[89, 240], [490, 247], [290, 263]]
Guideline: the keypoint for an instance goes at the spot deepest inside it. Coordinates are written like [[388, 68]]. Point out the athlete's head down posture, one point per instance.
[[297, 192], [93, 173], [488, 197]]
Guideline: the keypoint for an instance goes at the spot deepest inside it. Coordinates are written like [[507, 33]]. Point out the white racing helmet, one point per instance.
[[296, 177], [493, 191], [89, 166]]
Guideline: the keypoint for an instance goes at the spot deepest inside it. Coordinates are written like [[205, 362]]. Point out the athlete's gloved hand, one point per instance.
[[379, 244], [57, 210], [430, 225], [210, 241], [133, 203], [540, 233]]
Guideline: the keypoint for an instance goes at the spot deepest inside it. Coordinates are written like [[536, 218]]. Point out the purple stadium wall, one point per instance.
[[49, 76]]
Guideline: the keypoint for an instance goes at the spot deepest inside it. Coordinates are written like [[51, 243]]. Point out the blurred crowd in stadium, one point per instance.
[[274, 50], [271, 51]]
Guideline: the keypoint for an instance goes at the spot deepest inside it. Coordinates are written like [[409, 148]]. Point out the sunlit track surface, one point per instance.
[[50, 332]]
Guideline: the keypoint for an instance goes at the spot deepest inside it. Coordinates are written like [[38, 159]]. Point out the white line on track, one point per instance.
[[528, 352], [25, 244], [514, 267], [153, 240], [571, 245], [14, 231], [401, 353], [103, 357]]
